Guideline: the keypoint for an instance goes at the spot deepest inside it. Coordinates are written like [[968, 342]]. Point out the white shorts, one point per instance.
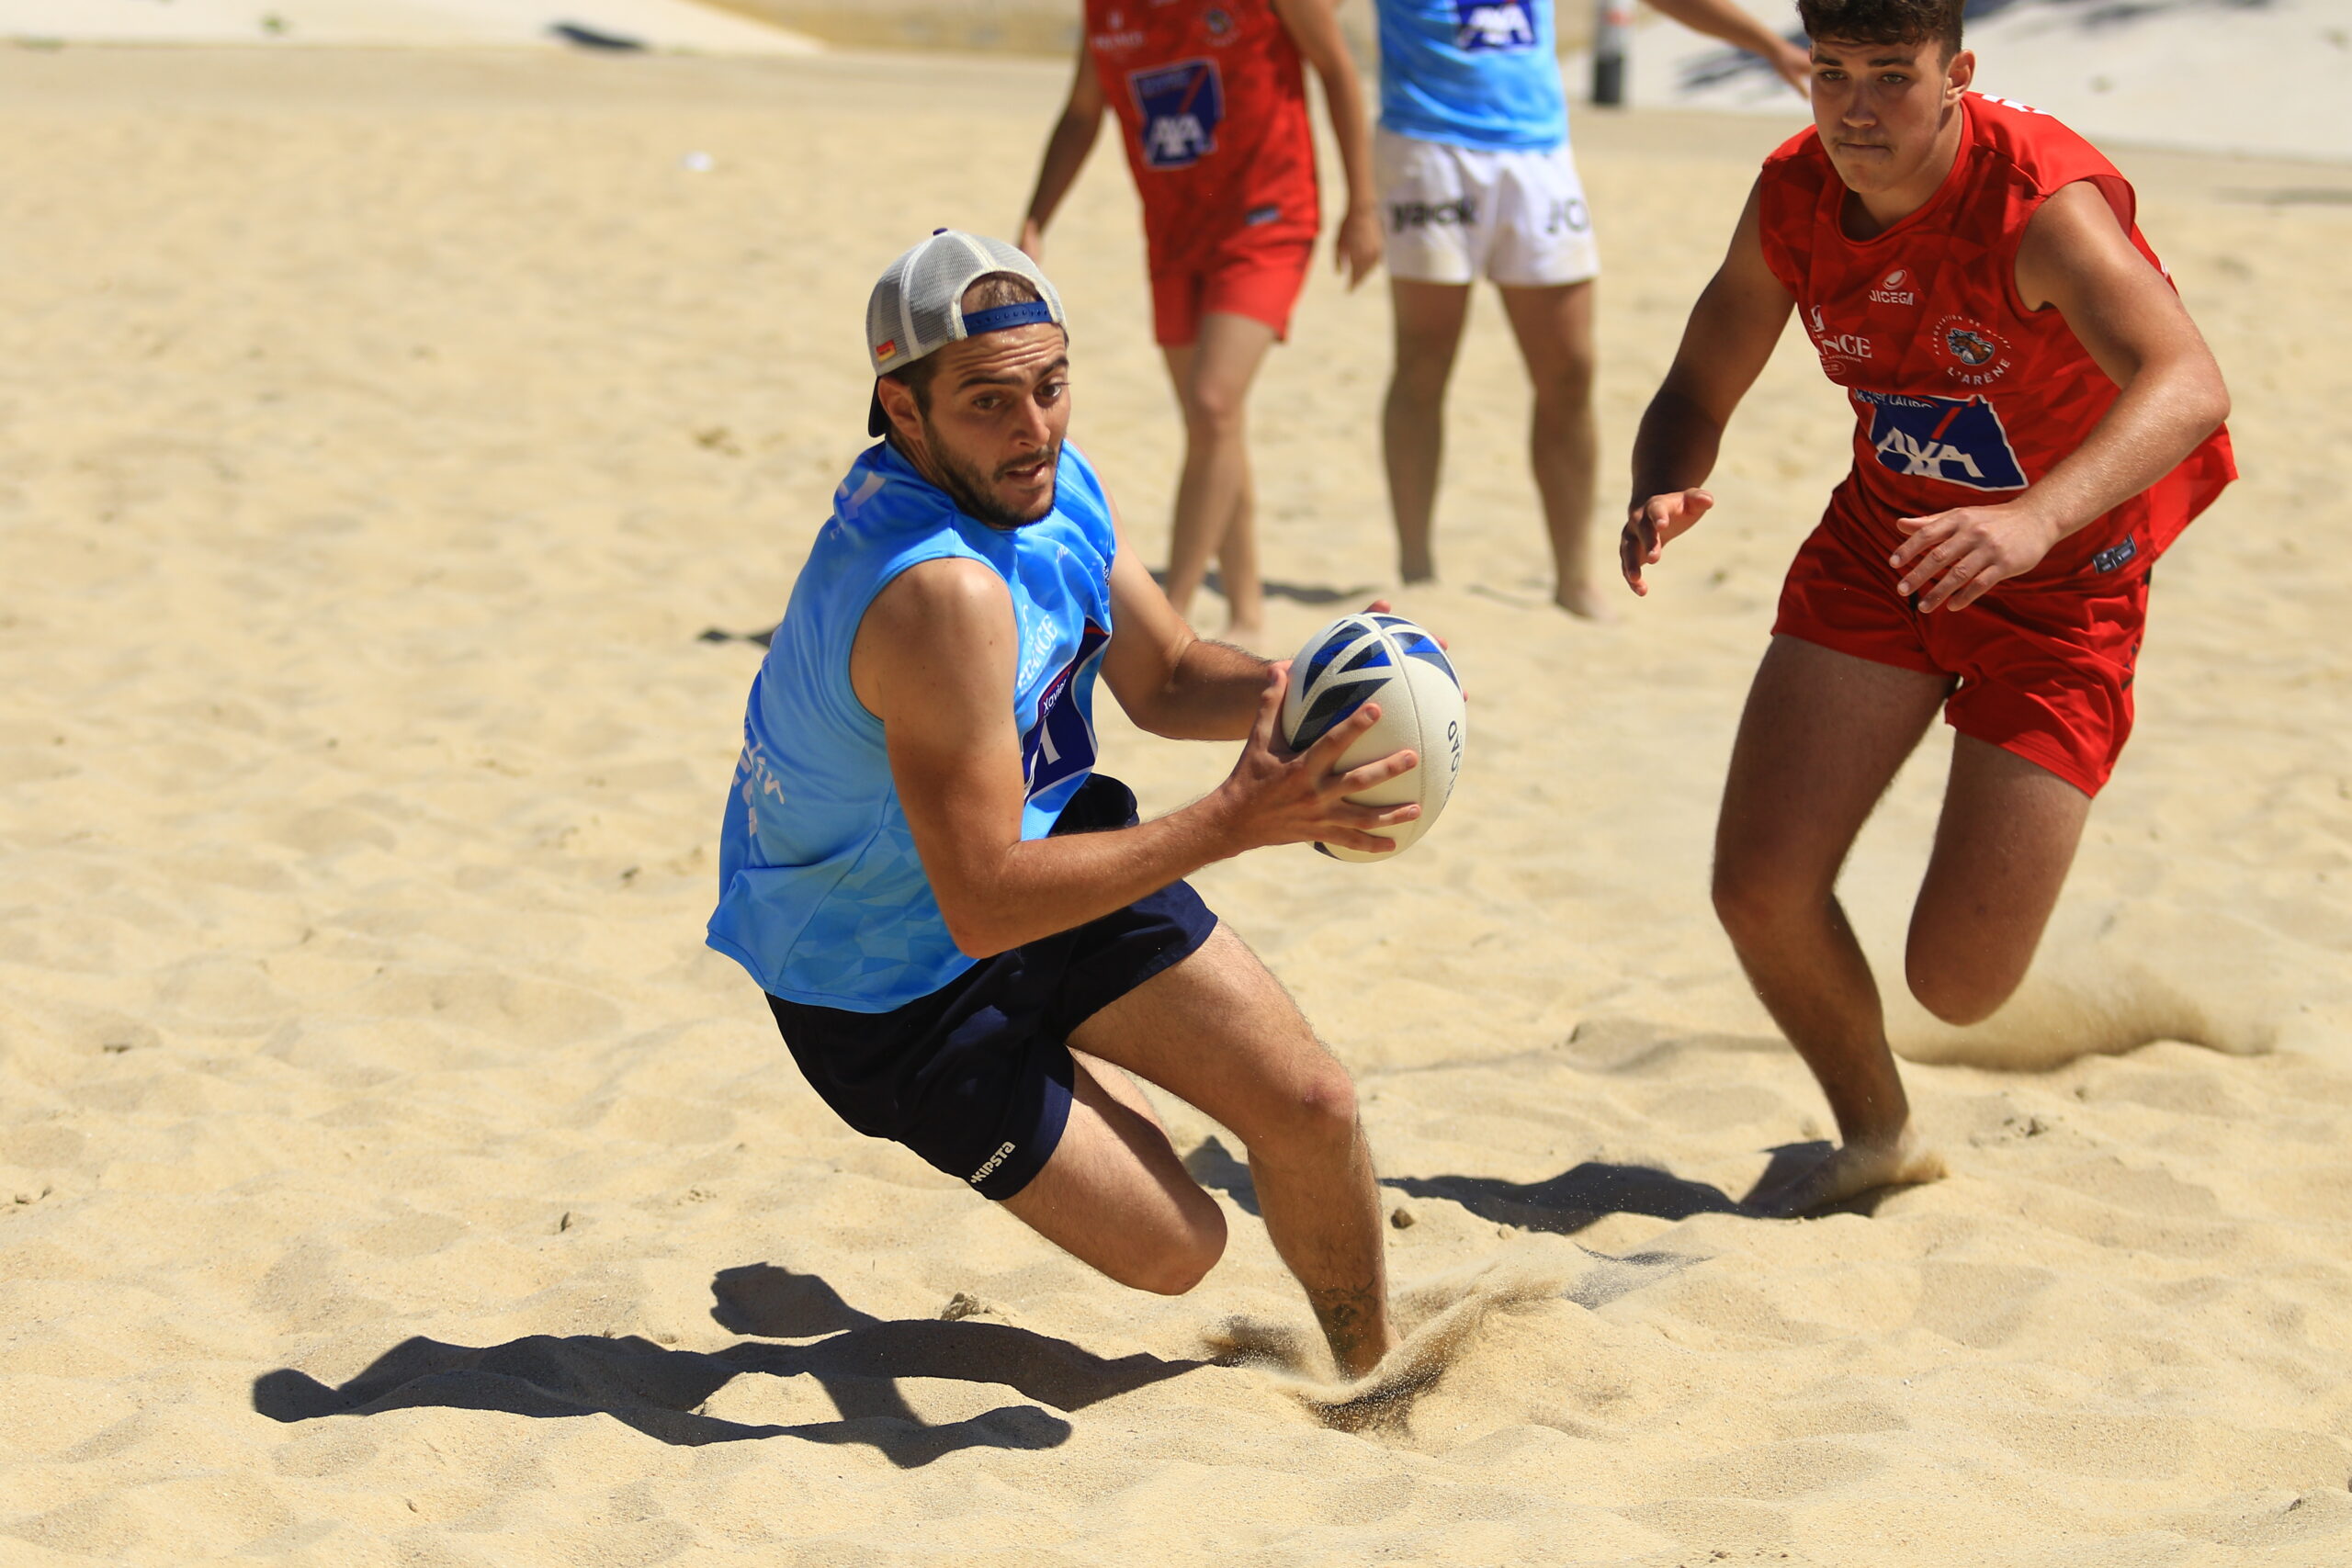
[[1453, 214]]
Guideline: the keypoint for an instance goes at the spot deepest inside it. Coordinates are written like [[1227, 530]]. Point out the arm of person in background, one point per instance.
[[1066, 150], [1726, 20], [1314, 26], [935, 661], [2076, 258], [1171, 680], [1731, 332]]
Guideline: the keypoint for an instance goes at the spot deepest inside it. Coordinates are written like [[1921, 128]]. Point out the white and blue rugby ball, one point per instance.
[[1375, 657]]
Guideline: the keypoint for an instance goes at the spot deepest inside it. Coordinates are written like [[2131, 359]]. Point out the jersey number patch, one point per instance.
[[1492, 24], [1958, 441], [1182, 105], [1061, 745]]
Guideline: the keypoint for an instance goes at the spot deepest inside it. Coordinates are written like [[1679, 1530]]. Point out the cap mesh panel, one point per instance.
[[916, 300]]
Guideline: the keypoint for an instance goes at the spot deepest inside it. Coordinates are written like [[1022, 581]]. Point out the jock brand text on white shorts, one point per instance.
[[1455, 214]]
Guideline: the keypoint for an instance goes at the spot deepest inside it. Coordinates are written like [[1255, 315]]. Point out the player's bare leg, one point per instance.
[[1237, 566], [1214, 510], [1115, 1195], [1429, 319], [1553, 327], [1219, 1032], [1821, 739], [2003, 847]]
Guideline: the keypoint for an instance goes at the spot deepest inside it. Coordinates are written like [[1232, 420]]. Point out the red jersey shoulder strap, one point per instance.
[[2042, 154], [2023, 157], [1788, 194]]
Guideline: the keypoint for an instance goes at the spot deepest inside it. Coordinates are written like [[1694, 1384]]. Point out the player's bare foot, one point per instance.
[[1854, 1168], [1584, 603]]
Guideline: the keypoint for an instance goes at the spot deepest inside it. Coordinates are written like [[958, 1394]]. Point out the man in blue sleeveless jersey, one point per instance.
[[966, 939], [1476, 178]]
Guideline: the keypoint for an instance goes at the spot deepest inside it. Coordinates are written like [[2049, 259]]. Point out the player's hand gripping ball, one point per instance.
[[1375, 657]]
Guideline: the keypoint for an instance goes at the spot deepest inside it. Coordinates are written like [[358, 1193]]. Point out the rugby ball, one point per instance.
[[1375, 656]]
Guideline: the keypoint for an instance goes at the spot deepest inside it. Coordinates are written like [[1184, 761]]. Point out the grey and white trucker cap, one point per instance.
[[917, 307]]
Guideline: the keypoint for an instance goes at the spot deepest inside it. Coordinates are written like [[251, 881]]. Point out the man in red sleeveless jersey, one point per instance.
[[1213, 101], [2036, 418]]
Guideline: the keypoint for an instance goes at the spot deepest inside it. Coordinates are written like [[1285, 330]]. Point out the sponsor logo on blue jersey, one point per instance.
[[1492, 24], [1061, 745], [1181, 105], [1959, 442]]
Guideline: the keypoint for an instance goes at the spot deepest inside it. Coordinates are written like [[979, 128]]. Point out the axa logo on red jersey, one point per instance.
[[1182, 105], [1961, 442], [1891, 290]]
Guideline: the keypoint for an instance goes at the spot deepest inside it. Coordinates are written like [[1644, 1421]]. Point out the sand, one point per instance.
[[389, 1175], [628, 25]]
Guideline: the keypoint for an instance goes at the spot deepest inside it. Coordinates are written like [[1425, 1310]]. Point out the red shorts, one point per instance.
[[2043, 668], [1258, 280]]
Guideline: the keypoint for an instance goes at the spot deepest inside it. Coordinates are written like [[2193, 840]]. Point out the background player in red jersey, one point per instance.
[[1213, 102], [2036, 418]]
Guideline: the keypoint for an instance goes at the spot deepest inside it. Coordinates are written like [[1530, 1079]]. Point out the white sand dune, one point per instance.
[[2269, 77], [388, 1175], [648, 24]]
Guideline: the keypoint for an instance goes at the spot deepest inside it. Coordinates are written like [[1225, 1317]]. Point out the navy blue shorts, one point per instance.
[[975, 1076]]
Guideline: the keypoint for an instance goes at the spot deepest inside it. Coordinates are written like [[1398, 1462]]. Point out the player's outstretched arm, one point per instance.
[[1314, 26], [2076, 258], [1066, 150], [1730, 334], [935, 661], [1726, 20]]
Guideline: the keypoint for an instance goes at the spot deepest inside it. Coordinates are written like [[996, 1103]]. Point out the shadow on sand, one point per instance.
[[857, 1359], [1297, 592], [1558, 1205], [1567, 1204]]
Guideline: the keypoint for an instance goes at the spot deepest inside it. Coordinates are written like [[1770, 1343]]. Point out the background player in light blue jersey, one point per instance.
[[1476, 178], [966, 937]]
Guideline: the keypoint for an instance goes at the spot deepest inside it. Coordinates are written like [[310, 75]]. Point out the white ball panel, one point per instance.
[[1420, 709]]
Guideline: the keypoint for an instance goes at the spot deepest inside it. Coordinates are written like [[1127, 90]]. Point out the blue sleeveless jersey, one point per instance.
[[820, 893], [1478, 73]]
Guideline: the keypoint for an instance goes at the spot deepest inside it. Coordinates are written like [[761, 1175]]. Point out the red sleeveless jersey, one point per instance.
[[1213, 105], [1963, 396]]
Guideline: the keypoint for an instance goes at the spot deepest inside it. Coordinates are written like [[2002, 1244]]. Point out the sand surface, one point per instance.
[[389, 1175], [404, 24]]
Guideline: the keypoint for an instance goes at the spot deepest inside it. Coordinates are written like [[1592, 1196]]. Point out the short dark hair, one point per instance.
[[1885, 21], [986, 292]]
